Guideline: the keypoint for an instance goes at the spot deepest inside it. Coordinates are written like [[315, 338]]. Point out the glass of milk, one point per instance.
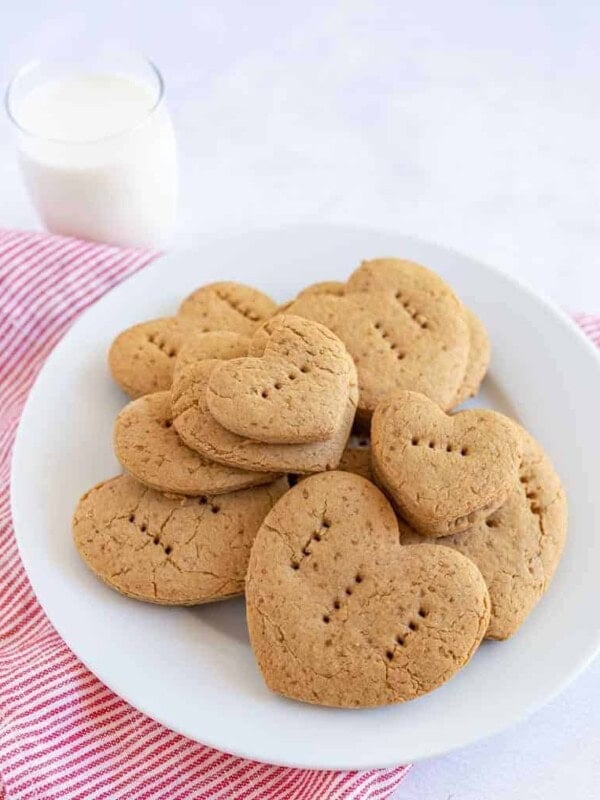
[[97, 148]]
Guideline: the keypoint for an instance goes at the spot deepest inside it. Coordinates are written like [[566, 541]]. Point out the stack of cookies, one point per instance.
[[306, 455]]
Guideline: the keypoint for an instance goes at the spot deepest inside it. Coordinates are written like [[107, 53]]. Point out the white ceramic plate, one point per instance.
[[192, 669]]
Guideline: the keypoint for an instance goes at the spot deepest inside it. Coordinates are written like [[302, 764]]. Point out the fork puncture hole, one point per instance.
[[215, 509], [202, 501], [168, 423], [389, 655], [132, 518], [326, 619], [400, 641], [168, 549], [358, 578], [414, 441], [348, 591], [144, 528], [156, 540], [464, 451], [336, 605], [264, 394], [278, 386], [422, 612], [413, 626]]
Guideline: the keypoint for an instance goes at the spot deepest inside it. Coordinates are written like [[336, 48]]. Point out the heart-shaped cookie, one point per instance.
[[141, 359], [402, 278], [228, 306], [444, 473], [200, 431], [341, 614], [174, 551], [518, 547], [148, 447], [411, 334], [292, 388]]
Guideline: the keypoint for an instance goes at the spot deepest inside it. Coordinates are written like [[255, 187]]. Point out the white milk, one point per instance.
[[99, 159]]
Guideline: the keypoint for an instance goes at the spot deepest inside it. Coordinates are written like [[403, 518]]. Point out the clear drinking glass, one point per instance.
[[97, 148]]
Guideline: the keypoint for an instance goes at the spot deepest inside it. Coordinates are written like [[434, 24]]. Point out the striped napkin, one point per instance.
[[63, 734]]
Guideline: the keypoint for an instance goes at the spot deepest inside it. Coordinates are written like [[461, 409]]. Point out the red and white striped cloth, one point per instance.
[[63, 734]]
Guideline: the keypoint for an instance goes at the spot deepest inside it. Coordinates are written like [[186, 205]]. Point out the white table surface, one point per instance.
[[476, 125]]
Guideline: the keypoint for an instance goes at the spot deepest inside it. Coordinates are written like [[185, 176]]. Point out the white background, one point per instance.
[[474, 124]]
